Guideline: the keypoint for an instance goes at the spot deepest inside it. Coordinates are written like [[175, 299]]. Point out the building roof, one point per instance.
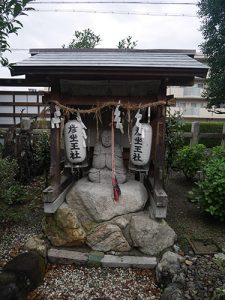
[[103, 58], [177, 67]]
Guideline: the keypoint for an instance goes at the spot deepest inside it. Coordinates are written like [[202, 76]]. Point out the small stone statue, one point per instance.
[[101, 171]]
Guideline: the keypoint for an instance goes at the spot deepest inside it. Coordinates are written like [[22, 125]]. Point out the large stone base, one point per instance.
[[93, 202], [63, 228], [91, 217], [120, 235]]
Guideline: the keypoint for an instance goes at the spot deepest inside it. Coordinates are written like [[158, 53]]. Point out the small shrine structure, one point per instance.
[[91, 85]]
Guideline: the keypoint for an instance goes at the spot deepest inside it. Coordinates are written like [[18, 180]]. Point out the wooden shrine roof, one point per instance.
[[162, 63]]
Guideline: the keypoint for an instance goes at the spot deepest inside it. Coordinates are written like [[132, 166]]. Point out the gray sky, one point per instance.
[[52, 29]]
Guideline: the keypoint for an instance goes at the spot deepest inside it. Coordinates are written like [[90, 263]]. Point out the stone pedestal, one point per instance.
[[91, 216]]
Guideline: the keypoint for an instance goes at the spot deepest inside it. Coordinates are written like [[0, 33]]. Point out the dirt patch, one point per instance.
[[187, 219]]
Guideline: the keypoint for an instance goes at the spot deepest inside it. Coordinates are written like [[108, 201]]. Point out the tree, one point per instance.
[[212, 14], [127, 43], [10, 11], [84, 39]]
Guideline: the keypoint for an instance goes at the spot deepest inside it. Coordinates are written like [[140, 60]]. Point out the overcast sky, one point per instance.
[[52, 29]]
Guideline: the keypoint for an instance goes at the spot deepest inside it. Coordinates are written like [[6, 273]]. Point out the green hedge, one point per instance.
[[186, 128], [206, 127]]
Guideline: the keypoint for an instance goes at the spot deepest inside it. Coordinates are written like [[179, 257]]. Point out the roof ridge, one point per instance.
[[189, 52]]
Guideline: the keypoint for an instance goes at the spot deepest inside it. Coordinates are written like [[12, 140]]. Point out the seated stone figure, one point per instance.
[[101, 171]]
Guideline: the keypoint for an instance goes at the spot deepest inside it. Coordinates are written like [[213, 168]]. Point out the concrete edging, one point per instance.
[[95, 258]]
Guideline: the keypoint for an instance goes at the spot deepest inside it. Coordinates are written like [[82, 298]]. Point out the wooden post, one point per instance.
[[223, 137], [158, 197], [195, 129], [160, 139], [160, 150], [55, 177], [14, 109]]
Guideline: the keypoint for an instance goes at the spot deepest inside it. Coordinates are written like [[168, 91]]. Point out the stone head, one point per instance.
[[106, 138]]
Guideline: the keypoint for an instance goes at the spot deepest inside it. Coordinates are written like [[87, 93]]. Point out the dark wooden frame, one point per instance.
[[154, 179], [166, 75]]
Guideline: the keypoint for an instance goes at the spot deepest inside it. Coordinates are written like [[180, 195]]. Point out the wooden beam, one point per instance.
[[109, 72], [51, 207], [159, 158], [23, 82], [41, 93], [158, 197], [17, 115], [14, 110], [48, 193], [21, 104], [55, 177]]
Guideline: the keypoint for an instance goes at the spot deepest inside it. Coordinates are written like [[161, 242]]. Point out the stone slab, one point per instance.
[[129, 261], [94, 258], [61, 256]]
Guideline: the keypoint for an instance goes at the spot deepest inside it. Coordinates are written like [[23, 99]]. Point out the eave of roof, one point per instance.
[[92, 62]]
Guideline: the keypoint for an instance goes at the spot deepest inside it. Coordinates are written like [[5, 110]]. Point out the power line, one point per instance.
[[114, 2], [117, 12]]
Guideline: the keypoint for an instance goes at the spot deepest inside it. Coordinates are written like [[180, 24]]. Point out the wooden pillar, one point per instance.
[[158, 197], [159, 159], [159, 149], [14, 109], [55, 177]]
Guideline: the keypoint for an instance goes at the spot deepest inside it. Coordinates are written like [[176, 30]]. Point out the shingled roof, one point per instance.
[[178, 65]]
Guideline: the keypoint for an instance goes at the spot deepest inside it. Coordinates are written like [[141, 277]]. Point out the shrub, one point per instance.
[[174, 137], [8, 171], [186, 127], [41, 152], [219, 293], [12, 215], [10, 191], [205, 127], [210, 127], [210, 191], [218, 152], [1, 150], [220, 262], [190, 160], [15, 194]]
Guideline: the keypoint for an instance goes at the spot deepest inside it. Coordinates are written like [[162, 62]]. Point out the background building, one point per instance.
[[190, 102]]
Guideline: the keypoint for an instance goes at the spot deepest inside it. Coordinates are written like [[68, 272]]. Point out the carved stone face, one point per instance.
[[106, 138]]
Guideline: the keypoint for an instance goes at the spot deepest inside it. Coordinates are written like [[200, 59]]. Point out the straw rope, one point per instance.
[[99, 106]]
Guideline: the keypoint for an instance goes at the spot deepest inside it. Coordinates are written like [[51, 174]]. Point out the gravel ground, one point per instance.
[[71, 282], [203, 276], [12, 240], [82, 283]]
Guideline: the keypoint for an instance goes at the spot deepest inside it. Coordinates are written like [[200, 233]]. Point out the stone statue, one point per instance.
[[101, 171]]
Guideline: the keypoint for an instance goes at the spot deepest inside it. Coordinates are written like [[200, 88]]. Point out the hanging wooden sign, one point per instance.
[[141, 144], [75, 145]]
